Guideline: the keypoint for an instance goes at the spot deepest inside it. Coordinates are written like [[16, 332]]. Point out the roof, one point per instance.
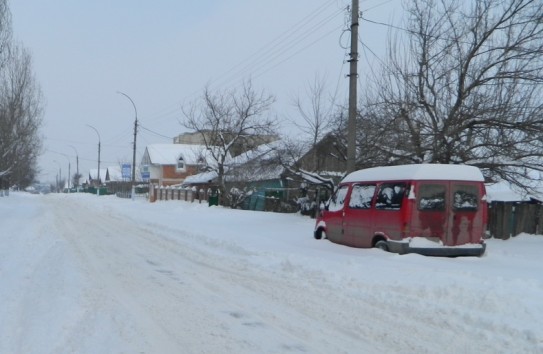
[[168, 154], [204, 177], [259, 164], [93, 173], [115, 173], [506, 192], [417, 172]]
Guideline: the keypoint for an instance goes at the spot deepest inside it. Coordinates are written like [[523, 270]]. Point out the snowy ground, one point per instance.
[[82, 274]]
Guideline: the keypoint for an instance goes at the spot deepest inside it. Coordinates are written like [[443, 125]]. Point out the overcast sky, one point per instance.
[[163, 53]]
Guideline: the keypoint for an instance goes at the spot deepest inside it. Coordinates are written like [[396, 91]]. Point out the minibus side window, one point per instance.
[[465, 198], [390, 196], [337, 200], [361, 196], [431, 197]]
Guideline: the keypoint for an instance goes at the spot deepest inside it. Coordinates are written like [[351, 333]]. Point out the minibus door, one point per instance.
[[358, 216], [465, 220], [431, 213], [334, 214]]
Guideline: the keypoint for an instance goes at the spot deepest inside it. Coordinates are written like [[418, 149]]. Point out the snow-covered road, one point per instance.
[[81, 274]]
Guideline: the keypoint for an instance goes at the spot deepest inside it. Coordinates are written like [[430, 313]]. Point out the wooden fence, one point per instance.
[[507, 219], [177, 193]]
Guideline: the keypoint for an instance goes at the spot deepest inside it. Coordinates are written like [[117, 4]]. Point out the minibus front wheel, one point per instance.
[[320, 233], [382, 244]]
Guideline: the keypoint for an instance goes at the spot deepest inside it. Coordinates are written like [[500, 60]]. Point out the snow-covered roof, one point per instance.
[[261, 151], [204, 177], [505, 192], [417, 172], [115, 173], [93, 173], [168, 154], [258, 164]]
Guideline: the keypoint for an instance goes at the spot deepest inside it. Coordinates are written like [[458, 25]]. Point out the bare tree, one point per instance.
[[230, 120], [20, 109], [466, 89], [316, 115]]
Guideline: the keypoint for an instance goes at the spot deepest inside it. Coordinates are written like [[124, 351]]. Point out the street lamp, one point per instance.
[[77, 165], [134, 148], [69, 164], [90, 126], [59, 175]]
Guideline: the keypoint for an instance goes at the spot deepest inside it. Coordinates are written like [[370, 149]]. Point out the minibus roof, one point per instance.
[[417, 172]]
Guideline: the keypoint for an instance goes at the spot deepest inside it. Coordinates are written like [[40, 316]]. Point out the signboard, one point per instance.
[[126, 170], [145, 176]]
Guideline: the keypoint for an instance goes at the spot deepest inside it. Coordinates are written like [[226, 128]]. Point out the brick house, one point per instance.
[[170, 164]]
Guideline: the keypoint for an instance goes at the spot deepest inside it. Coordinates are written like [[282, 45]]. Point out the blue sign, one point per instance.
[[145, 176], [126, 170]]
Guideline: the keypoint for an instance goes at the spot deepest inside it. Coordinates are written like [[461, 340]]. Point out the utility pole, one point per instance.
[[77, 166], [99, 182], [134, 147], [134, 152], [353, 80]]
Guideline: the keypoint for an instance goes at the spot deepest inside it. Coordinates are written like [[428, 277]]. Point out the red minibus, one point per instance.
[[430, 209]]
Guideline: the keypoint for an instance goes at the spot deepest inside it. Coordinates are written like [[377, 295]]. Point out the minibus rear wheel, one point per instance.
[[381, 244]]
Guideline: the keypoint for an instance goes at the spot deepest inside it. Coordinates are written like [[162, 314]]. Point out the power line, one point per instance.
[[274, 52], [155, 133], [279, 55]]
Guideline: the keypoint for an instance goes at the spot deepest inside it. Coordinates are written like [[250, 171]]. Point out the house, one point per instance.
[[114, 174], [275, 181], [328, 154], [242, 145], [96, 179], [171, 164]]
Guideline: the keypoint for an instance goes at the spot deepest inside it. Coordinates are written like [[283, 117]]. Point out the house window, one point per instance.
[[180, 163]]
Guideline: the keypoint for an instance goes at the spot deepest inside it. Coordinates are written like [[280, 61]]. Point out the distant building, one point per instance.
[[243, 144], [93, 179], [170, 164]]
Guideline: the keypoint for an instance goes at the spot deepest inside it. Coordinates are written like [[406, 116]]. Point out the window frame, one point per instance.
[[421, 187], [371, 201], [390, 184], [456, 188], [338, 193], [184, 167]]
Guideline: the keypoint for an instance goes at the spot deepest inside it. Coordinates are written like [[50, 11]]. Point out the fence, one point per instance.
[[177, 193], [507, 219]]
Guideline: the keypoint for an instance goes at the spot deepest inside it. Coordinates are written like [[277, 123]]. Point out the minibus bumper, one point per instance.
[[470, 250]]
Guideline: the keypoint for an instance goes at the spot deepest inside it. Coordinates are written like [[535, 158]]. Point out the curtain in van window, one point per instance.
[[390, 196], [361, 196]]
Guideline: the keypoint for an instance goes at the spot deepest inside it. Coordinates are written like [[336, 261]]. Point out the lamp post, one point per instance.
[[134, 148], [59, 175], [69, 170], [96, 130], [77, 165]]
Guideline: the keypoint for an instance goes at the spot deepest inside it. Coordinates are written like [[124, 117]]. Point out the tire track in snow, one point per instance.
[[185, 294]]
